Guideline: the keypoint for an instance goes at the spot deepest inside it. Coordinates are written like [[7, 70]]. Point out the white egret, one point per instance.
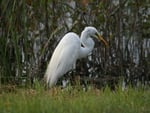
[[68, 51]]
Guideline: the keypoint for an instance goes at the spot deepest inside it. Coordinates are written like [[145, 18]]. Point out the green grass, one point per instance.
[[75, 101]]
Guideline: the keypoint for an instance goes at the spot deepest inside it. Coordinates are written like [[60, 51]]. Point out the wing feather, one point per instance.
[[63, 58]]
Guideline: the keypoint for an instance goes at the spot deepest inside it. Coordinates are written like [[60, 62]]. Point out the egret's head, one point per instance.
[[92, 32]]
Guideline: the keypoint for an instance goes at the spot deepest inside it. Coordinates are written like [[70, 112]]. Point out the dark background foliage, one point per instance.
[[31, 29]]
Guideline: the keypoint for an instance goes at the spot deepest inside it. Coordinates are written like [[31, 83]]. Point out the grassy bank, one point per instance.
[[75, 101]]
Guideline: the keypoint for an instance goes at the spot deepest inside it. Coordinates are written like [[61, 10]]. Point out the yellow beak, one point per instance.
[[102, 39]]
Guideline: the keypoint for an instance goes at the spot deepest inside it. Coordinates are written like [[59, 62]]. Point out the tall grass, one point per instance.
[[74, 100]]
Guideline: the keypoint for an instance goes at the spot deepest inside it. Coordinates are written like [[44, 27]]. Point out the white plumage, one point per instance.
[[68, 51]]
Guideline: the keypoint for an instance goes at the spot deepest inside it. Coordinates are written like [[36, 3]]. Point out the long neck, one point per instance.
[[88, 44]]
